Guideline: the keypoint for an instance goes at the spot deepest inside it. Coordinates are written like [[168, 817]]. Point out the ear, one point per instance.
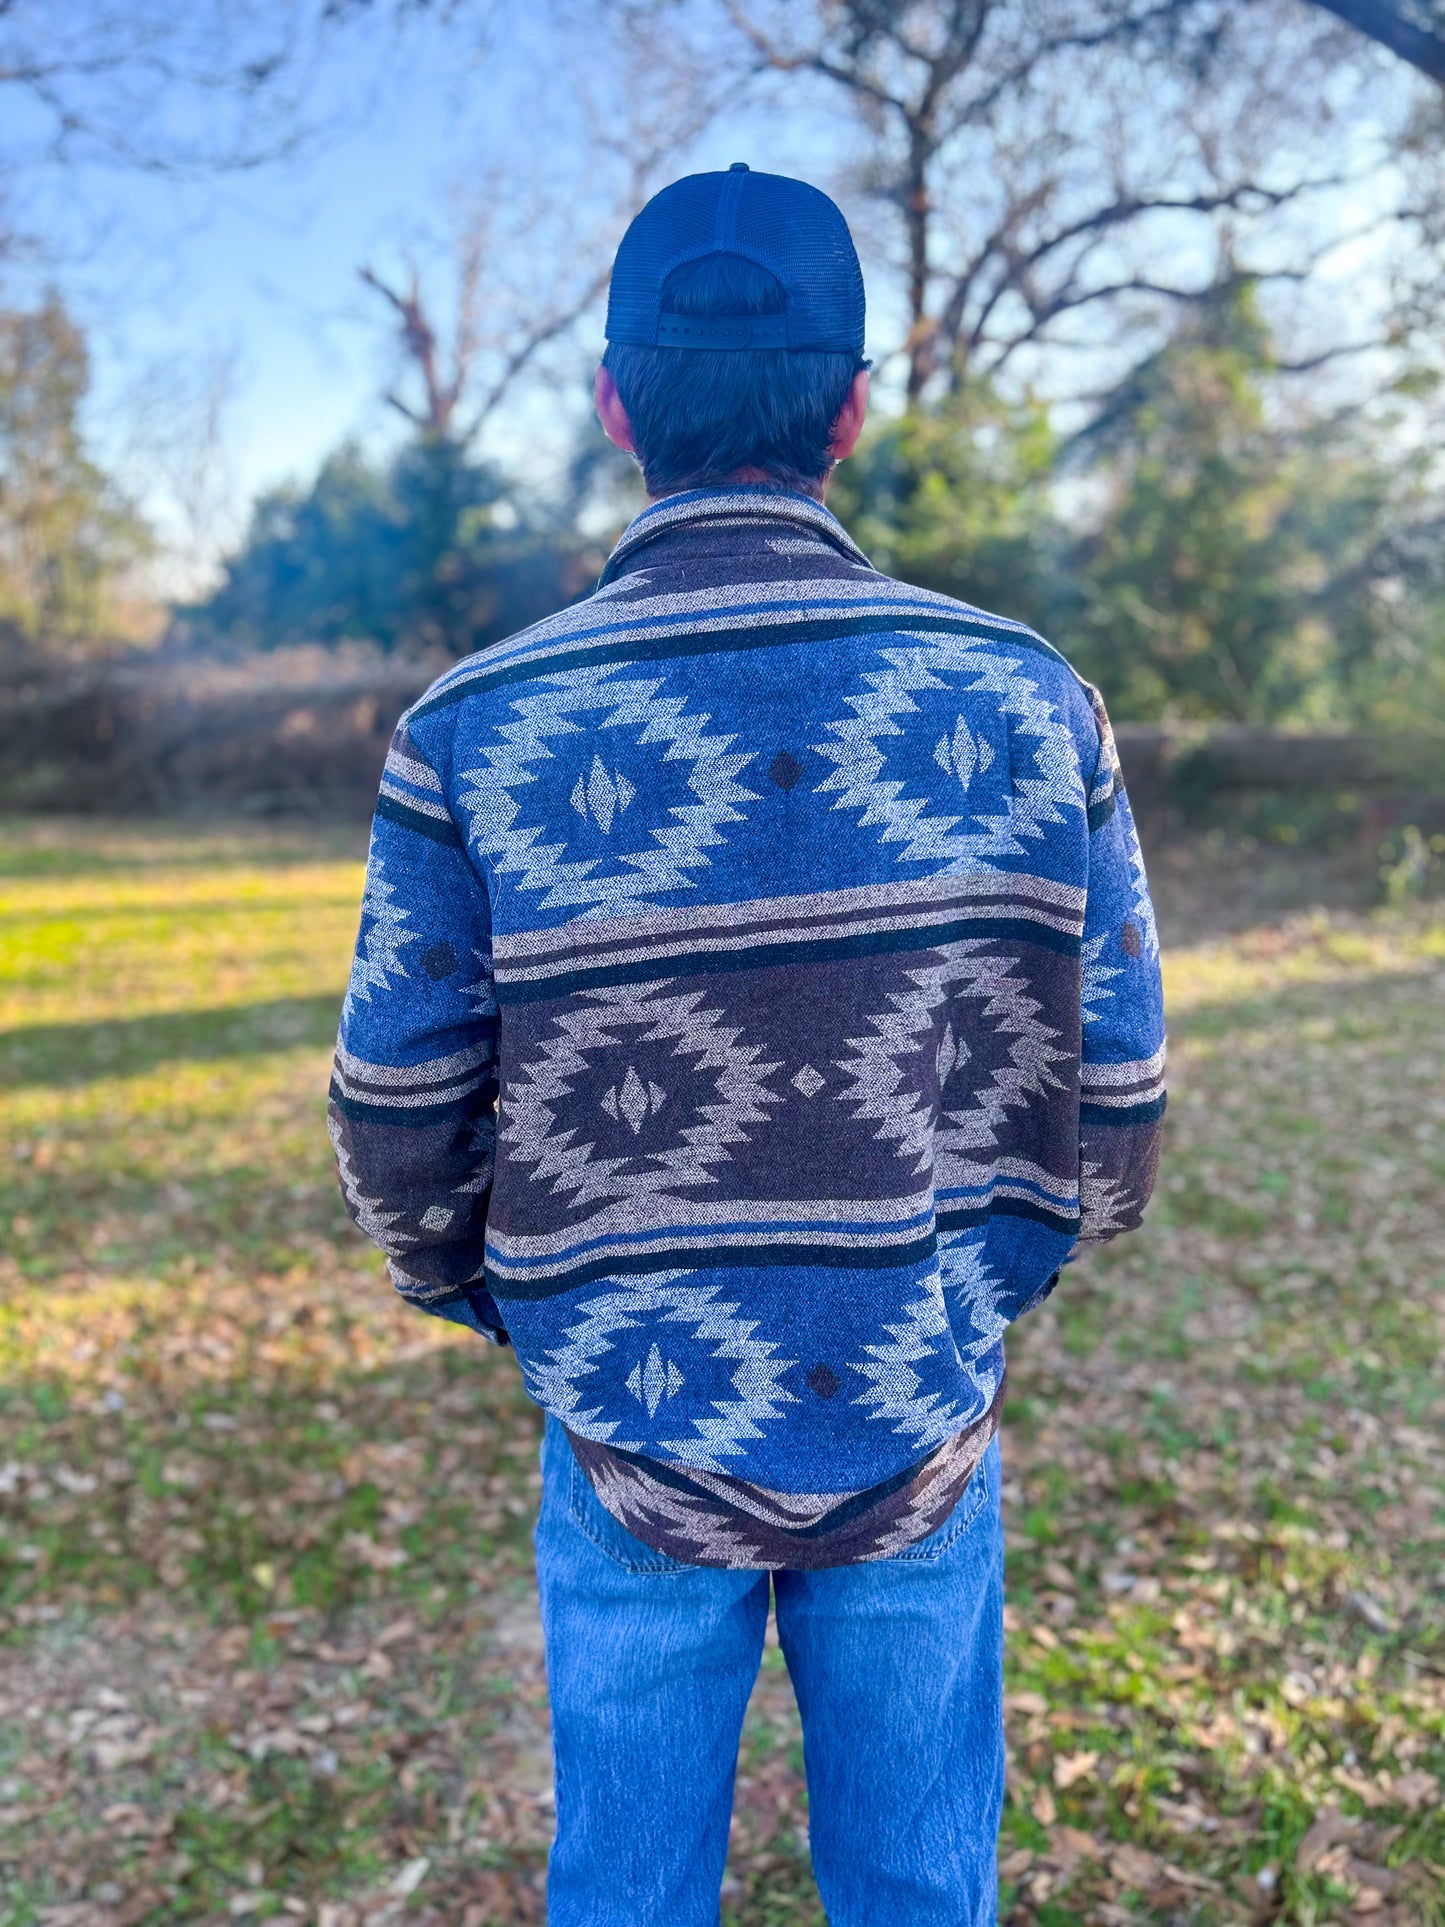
[[849, 425], [613, 416]]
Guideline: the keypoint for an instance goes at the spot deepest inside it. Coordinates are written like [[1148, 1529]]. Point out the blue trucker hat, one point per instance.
[[791, 229]]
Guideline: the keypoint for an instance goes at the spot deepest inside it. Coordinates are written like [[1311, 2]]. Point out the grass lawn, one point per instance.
[[268, 1643]]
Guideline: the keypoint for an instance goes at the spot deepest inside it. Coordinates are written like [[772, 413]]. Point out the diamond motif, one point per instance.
[[724, 1346], [635, 1100], [632, 1100], [604, 795], [651, 1383], [808, 1081], [723, 1093], [511, 809], [963, 755], [822, 1381], [882, 1087], [867, 780], [439, 962], [785, 770]]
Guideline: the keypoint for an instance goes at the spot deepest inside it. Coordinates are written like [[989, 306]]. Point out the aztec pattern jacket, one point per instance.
[[756, 1002]]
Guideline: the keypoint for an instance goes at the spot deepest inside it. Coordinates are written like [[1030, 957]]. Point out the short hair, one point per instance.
[[700, 415]]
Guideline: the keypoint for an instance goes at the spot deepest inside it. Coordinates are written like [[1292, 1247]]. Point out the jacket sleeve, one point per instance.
[[1121, 1107], [414, 1089]]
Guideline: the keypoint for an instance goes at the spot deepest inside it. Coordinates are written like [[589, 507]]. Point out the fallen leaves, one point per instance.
[[1133, 1867], [1322, 1840], [1070, 1768], [1223, 1448]]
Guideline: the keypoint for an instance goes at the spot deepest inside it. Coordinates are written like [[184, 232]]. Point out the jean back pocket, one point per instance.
[[609, 1535]]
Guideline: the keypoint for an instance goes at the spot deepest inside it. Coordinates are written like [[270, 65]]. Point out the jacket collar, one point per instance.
[[697, 508]]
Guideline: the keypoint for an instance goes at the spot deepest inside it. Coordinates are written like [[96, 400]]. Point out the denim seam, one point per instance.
[[960, 1519], [577, 1507]]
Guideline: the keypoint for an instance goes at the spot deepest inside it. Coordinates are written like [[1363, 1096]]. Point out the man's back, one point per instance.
[[757, 888], [757, 999]]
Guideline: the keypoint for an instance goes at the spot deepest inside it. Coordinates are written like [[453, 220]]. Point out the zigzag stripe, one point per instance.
[[750, 626]]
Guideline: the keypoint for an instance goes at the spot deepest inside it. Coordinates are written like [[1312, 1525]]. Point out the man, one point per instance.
[[757, 1000]]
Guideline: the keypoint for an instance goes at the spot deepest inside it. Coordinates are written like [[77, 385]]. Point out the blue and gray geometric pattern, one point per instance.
[[983, 793], [621, 734], [756, 1003], [642, 1330]]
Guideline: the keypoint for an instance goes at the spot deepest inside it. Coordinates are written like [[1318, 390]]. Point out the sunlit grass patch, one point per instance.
[[196, 922]]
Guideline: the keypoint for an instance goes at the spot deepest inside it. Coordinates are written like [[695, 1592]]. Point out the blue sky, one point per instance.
[[257, 272]]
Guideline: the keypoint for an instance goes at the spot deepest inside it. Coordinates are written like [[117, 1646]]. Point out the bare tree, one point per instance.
[[1050, 160], [448, 372], [168, 425], [220, 84], [182, 91], [528, 251]]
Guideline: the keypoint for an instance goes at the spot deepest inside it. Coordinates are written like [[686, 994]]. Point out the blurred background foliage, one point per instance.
[[423, 550], [68, 535], [1198, 554]]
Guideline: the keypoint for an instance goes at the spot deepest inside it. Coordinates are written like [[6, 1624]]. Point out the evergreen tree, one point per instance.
[[1243, 567], [424, 551], [66, 532], [958, 498]]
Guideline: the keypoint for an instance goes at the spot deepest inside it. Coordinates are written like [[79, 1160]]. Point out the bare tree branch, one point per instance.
[[107, 80], [538, 339], [1421, 47], [1022, 193], [420, 346], [525, 276]]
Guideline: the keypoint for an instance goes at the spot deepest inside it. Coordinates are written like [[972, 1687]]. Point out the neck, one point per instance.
[[751, 478]]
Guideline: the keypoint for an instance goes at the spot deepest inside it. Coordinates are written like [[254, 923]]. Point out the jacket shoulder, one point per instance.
[[1057, 675], [511, 660]]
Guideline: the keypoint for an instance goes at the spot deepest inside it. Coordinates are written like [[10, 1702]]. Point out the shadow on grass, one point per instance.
[[69, 1054]]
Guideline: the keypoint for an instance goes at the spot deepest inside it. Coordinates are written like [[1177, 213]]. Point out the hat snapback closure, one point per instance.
[[725, 331]]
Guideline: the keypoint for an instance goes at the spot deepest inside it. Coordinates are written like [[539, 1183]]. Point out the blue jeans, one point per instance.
[[898, 1670]]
